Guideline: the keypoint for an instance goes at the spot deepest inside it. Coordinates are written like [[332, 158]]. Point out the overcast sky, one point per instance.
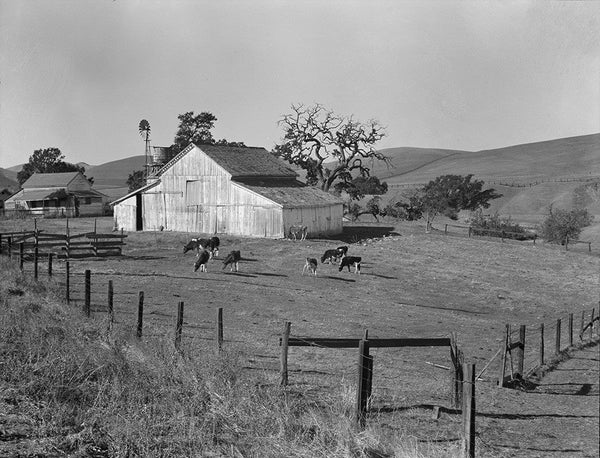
[[80, 75]]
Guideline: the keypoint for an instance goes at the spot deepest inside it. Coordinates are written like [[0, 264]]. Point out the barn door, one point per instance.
[[221, 219], [139, 214]]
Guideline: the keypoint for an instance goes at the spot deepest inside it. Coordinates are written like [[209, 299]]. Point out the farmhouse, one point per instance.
[[228, 190], [57, 194]]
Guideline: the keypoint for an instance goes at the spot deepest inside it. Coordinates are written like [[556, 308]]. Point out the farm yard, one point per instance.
[[412, 285]]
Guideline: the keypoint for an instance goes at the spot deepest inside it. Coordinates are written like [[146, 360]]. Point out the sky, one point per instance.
[[80, 75]]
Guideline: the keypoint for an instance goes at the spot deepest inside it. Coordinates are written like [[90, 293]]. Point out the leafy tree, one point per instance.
[[197, 129], [47, 160], [361, 186], [329, 147], [563, 225], [409, 211], [136, 180], [449, 194], [193, 129], [373, 208], [353, 210]]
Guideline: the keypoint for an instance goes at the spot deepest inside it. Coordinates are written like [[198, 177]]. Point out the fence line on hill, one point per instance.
[[530, 350]]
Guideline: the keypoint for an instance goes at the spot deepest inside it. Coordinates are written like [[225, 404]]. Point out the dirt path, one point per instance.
[[559, 418]]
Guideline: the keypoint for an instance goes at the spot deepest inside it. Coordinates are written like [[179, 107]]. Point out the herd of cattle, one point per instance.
[[206, 249]]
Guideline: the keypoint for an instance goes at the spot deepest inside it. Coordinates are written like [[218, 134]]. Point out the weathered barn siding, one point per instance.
[[324, 220], [124, 214]]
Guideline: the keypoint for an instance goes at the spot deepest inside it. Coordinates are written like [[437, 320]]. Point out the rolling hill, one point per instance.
[[115, 173], [8, 179]]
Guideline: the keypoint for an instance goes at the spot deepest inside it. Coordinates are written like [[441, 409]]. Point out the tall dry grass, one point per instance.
[[88, 392]]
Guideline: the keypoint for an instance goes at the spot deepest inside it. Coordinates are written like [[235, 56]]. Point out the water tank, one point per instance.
[[160, 154]]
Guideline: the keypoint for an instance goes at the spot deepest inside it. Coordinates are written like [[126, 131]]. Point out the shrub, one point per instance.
[[562, 225], [495, 226]]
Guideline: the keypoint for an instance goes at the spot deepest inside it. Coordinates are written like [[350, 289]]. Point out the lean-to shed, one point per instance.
[[228, 190]]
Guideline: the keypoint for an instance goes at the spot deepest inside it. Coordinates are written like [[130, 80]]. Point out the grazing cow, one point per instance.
[[232, 260], [195, 244], [348, 261], [213, 245], [342, 250], [296, 232], [201, 261], [330, 256], [310, 266]]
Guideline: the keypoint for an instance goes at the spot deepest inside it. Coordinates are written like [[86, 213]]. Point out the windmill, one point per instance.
[[144, 129]]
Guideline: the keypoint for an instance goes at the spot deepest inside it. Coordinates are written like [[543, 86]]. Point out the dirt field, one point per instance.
[[412, 285]]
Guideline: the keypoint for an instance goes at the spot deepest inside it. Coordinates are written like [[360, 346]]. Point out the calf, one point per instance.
[[298, 231], [348, 261], [330, 256], [213, 245], [342, 250], [232, 260], [201, 261], [310, 266]]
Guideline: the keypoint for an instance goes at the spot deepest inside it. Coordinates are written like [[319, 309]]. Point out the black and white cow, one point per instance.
[[348, 261], [232, 260], [342, 250], [201, 261], [211, 244]]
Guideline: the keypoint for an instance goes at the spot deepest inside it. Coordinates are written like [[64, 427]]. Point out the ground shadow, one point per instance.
[[239, 274], [339, 278], [268, 274], [353, 234], [382, 276]]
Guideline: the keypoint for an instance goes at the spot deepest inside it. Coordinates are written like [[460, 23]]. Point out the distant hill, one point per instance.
[[115, 173], [8, 179], [404, 160], [527, 163]]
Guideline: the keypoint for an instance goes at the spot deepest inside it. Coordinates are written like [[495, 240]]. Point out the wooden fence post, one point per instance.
[[0, 244], [369, 370], [88, 292], [35, 262], [521, 350], [67, 293], [592, 324], [49, 264], [582, 325], [284, 353], [570, 329], [361, 392], [469, 231], [140, 314], [21, 254], [111, 312], [557, 343], [9, 247], [503, 363], [446, 229], [220, 329], [179, 325], [542, 344], [456, 357], [468, 411]]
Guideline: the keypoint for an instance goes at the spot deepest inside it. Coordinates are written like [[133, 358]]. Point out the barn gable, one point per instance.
[[235, 190]]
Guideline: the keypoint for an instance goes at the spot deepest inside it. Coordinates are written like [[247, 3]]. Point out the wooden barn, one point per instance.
[[214, 189], [57, 194]]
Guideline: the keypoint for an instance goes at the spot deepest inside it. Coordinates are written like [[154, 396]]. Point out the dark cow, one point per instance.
[[348, 261], [211, 244], [342, 250], [310, 266], [201, 261], [330, 256], [298, 232], [232, 260]]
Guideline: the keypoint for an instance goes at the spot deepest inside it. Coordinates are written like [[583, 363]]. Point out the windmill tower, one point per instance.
[[144, 129]]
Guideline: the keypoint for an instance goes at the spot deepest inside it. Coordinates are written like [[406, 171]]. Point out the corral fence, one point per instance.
[[38, 244], [470, 231], [521, 355]]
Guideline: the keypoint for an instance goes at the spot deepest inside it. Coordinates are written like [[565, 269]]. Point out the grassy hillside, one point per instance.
[[561, 158], [407, 159], [115, 173], [8, 179]]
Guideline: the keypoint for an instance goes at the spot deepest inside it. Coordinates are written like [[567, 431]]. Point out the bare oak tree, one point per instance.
[[328, 146]]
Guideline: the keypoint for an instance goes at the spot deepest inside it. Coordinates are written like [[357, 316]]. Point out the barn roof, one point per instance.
[[293, 194], [50, 180], [240, 161]]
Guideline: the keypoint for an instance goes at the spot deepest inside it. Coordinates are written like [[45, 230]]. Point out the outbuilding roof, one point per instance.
[[293, 194], [240, 161], [50, 180]]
